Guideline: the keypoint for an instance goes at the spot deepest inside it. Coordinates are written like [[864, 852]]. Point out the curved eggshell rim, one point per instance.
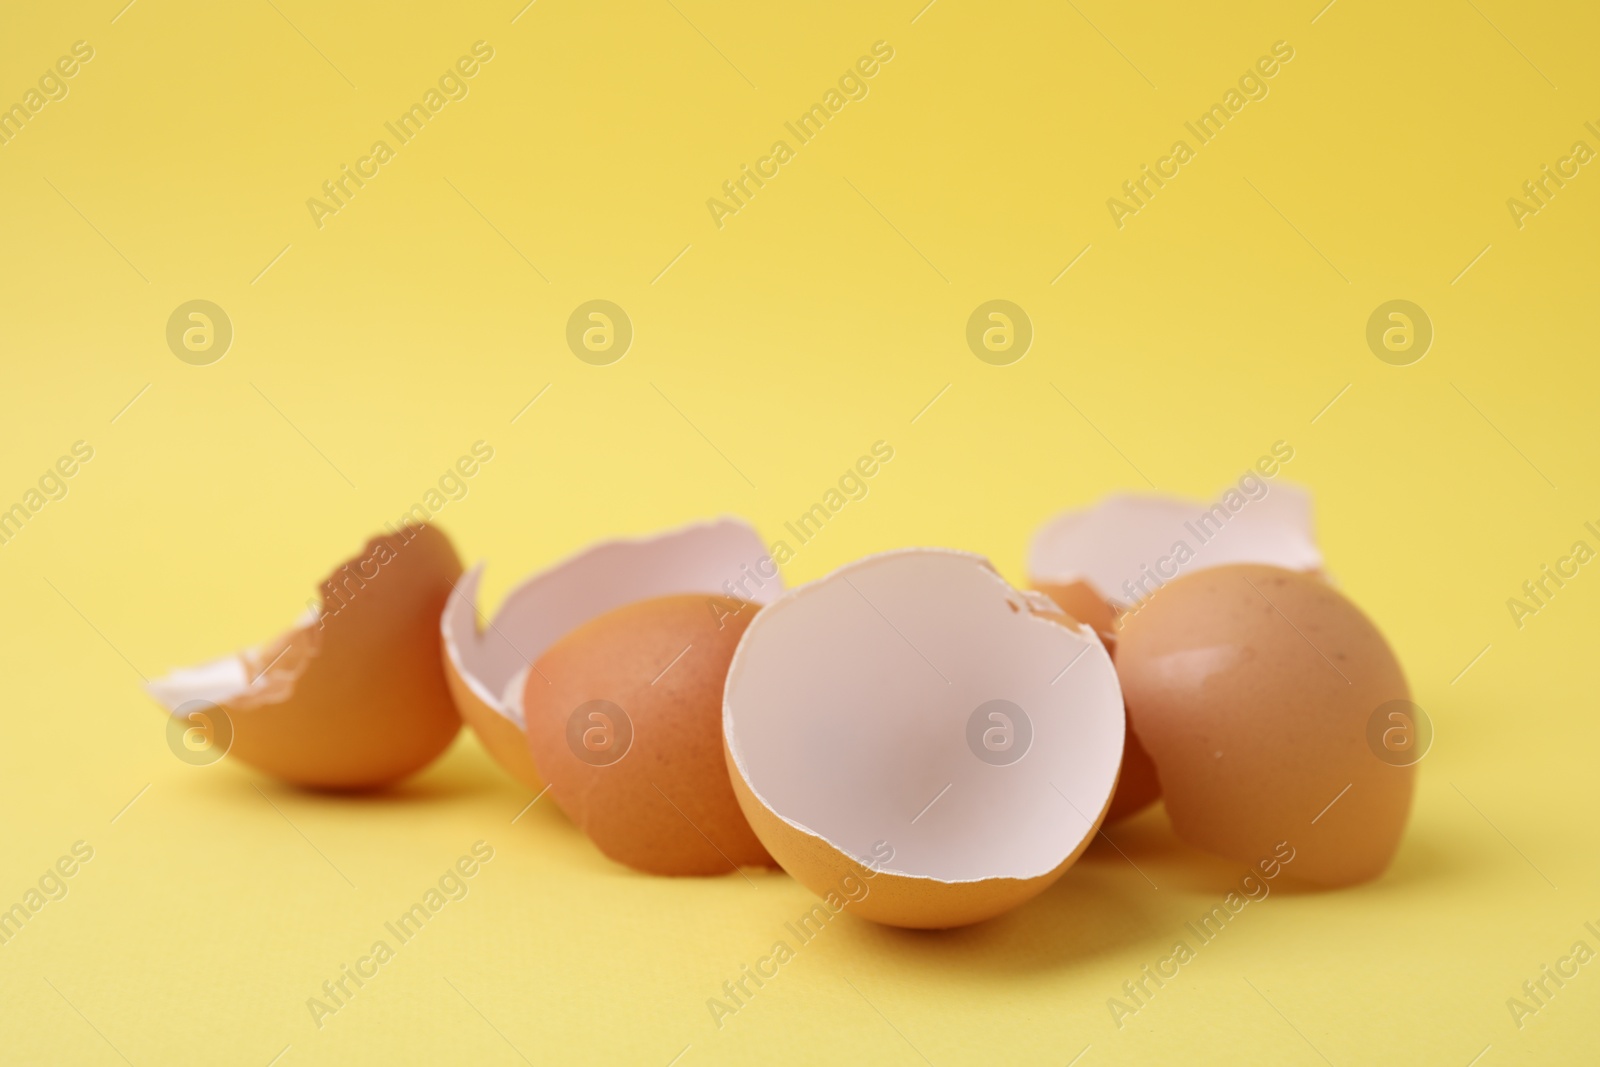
[[355, 697], [1112, 542], [263, 675], [503, 738], [1040, 608], [677, 561], [917, 902]]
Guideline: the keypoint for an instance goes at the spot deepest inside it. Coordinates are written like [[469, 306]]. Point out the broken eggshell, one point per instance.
[[487, 664], [1253, 687], [355, 697], [913, 724], [1125, 548], [624, 718], [1137, 784], [1103, 561]]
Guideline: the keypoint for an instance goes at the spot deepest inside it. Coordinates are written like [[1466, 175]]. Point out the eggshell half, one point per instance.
[[487, 660], [1098, 563], [356, 697], [1125, 548], [860, 728], [645, 682], [1252, 688]]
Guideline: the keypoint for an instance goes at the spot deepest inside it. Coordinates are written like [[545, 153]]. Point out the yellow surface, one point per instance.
[[822, 317]]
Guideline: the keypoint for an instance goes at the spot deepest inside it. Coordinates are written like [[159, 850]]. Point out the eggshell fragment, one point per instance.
[[354, 698], [1252, 688], [1079, 600], [624, 717], [914, 724], [487, 663], [1100, 562], [1128, 546]]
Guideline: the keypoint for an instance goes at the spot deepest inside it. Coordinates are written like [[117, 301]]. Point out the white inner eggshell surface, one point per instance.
[[226, 679], [546, 607], [849, 704], [1126, 538]]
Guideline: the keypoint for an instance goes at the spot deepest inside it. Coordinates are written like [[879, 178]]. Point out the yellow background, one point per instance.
[[823, 317]]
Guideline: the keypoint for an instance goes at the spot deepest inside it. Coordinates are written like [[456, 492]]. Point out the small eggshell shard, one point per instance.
[[486, 660], [1128, 546], [1252, 687], [624, 717], [913, 736], [1079, 600], [355, 697]]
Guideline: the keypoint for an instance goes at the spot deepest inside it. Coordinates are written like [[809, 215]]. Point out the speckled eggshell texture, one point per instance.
[[624, 721], [1252, 688]]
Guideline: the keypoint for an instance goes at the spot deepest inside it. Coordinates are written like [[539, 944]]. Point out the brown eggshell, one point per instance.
[[1252, 688], [892, 899], [1137, 784], [487, 659], [913, 721], [665, 805], [357, 698], [503, 738]]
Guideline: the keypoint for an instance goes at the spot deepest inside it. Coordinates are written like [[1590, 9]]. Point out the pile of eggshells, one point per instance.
[[910, 717]]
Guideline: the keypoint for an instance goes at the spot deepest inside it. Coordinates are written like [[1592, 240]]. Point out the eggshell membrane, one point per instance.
[[486, 660], [356, 699], [1124, 538], [847, 714], [666, 806], [1251, 687]]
